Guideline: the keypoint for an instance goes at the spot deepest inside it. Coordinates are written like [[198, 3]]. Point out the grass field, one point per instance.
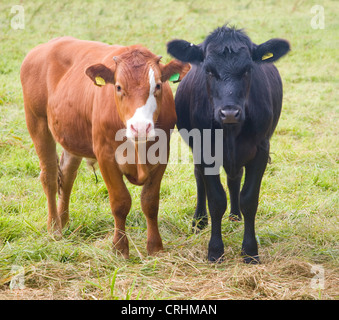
[[297, 219]]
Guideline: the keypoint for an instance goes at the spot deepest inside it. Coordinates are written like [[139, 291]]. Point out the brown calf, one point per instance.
[[63, 105]]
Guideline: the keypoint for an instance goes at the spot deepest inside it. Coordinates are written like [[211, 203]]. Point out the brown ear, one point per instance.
[[100, 74], [173, 67]]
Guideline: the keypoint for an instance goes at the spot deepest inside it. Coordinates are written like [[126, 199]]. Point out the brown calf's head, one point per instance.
[[138, 77]]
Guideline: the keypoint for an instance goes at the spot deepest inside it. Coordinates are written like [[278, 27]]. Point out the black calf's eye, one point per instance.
[[158, 86], [118, 88], [211, 73]]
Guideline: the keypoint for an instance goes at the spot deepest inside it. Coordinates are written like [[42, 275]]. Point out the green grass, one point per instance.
[[297, 219]]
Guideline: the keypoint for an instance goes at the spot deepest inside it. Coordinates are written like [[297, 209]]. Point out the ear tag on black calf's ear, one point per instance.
[[267, 56], [174, 77]]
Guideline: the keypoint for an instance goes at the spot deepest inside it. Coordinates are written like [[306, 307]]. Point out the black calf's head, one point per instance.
[[227, 57]]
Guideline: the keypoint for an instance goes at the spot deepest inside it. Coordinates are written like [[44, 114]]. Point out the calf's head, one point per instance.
[[226, 59], [137, 77]]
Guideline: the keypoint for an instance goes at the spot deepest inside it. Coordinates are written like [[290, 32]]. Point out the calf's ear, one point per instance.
[[185, 51], [100, 74], [174, 69], [271, 50]]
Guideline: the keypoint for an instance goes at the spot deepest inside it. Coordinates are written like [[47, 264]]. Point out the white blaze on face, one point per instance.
[[141, 125]]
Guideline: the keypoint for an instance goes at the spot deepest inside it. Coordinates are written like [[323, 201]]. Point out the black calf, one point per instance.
[[232, 86]]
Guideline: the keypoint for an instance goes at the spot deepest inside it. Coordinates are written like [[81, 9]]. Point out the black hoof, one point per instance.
[[213, 259], [234, 217], [251, 259], [198, 225], [216, 253]]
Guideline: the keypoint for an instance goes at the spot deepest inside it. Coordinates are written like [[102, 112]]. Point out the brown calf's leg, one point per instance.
[[69, 165], [150, 206], [45, 147], [120, 201]]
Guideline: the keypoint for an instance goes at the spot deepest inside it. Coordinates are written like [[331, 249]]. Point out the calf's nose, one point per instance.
[[141, 129], [229, 115]]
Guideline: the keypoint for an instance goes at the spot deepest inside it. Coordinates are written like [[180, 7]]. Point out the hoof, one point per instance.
[[54, 228], [216, 253], [212, 259], [55, 232], [121, 247], [234, 217], [251, 259], [153, 248], [121, 252], [56, 235], [198, 225]]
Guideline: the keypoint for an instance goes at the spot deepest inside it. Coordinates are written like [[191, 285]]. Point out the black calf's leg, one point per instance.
[[234, 189], [249, 203], [200, 219], [217, 202]]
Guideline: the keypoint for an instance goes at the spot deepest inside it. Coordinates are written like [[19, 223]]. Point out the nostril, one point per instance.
[[230, 114], [148, 128], [134, 129], [222, 113]]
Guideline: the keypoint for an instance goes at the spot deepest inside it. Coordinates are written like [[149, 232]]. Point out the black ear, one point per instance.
[[271, 50], [185, 51]]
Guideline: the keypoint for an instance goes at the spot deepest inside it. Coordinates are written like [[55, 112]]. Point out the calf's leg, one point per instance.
[[249, 197], [234, 189], [150, 206], [217, 202], [200, 219], [45, 147], [120, 202], [69, 165]]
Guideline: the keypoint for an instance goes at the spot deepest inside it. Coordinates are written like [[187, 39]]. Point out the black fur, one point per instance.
[[188, 51]]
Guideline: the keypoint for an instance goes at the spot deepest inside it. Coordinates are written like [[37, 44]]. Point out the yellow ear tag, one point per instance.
[[100, 81], [267, 56]]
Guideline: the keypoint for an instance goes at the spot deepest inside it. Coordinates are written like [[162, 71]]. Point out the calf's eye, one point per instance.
[[157, 88]]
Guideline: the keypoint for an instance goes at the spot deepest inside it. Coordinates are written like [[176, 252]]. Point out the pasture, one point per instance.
[[297, 218]]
